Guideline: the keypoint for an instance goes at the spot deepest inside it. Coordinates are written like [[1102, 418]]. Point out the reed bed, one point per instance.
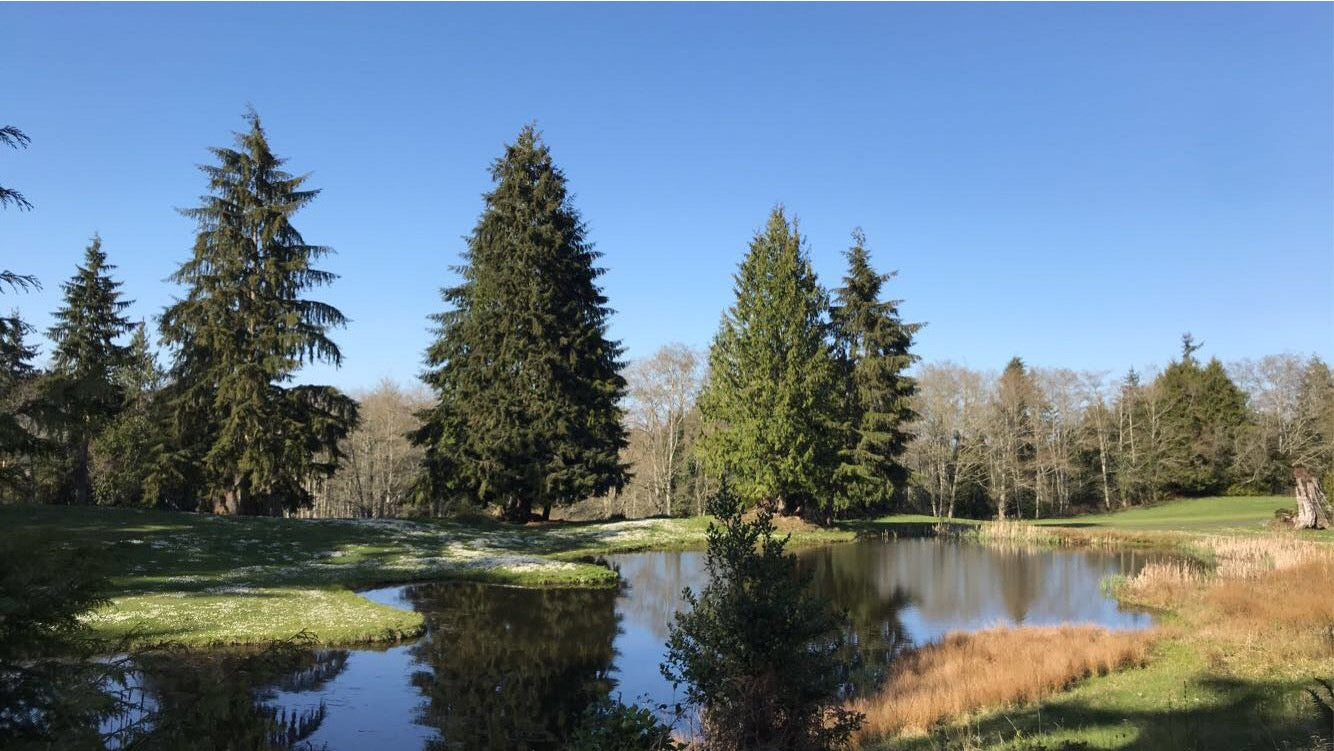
[[1267, 600], [967, 672]]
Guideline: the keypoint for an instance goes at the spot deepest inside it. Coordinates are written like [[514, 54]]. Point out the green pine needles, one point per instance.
[[528, 384], [84, 365], [807, 404], [874, 351], [756, 650], [245, 441], [772, 402]]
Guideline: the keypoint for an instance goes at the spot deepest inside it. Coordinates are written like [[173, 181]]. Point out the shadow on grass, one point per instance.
[[1214, 713]]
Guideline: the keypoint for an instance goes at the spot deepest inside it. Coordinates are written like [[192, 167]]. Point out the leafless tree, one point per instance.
[[948, 452], [381, 465], [661, 397]]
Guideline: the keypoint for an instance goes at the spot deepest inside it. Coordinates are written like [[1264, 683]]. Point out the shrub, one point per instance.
[[756, 650]]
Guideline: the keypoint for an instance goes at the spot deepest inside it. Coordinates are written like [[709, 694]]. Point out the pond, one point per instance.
[[509, 668]]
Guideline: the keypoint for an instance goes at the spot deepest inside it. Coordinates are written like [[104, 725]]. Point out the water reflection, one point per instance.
[[897, 594], [191, 699], [508, 668]]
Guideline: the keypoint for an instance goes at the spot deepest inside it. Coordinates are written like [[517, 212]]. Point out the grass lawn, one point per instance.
[[204, 579], [1241, 515]]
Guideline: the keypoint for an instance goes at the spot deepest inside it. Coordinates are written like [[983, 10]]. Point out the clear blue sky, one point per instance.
[[1075, 184]]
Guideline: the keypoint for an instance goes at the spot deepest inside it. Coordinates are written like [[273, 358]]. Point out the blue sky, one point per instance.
[[1074, 184]]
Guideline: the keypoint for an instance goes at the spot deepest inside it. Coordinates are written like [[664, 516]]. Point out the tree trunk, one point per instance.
[[1312, 509], [82, 482]]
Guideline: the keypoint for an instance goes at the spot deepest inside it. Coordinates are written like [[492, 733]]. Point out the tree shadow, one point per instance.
[[1233, 714]]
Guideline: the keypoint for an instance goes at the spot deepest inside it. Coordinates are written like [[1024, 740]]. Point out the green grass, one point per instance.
[[1175, 702], [203, 579], [1231, 514], [1183, 699], [1245, 515]]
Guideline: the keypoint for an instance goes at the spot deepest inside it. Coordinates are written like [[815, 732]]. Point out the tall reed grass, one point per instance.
[[966, 672]]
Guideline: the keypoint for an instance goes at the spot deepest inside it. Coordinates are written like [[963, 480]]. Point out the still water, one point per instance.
[[509, 668]]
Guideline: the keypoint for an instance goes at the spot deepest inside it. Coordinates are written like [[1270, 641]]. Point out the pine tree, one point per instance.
[[84, 362], [757, 651], [873, 346], [1203, 413], [18, 402], [772, 403], [15, 139], [128, 451], [246, 442], [526, 379]]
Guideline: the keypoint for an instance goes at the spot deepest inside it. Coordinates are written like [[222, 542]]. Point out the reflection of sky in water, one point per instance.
[[924, 589], [371, 704], [897, 592]]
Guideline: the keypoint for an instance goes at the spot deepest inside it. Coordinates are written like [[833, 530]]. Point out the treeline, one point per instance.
[[808, 401], [221, 427], [1031, 442]]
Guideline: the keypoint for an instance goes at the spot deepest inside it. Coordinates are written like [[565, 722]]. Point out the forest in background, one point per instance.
[[809, 399]]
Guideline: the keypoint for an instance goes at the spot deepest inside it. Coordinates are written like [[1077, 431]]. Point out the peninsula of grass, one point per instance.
[[200, 579]]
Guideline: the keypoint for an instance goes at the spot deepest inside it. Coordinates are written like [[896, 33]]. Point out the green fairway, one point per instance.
[[1214, 515]]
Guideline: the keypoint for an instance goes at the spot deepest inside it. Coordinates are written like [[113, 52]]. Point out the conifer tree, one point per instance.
[[1204, 410], [15, 139], [18, 402], [246, 441], [772, 405], [129, 450], [84, 362], [526, 379], [873, 346]]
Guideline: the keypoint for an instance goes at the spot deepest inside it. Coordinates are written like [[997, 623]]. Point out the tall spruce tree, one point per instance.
[[84, 363], [772, 405], [874, 351], [246, 441], [1204, 412], [19, 405], [526, 379]]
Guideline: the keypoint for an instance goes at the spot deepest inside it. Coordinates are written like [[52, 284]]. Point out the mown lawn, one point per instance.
[[1213, 515], [204, 579]]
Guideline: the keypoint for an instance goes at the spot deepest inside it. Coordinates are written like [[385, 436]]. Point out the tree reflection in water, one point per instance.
[[190, 699], [511, 668], [873, 634]]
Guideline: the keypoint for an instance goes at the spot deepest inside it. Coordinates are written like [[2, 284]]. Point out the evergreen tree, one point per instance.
[[15, 139], [84, 362], [129, 450], [18, 403], [757, 651], [1203, 412], [526, 379], [772, 404], [245, 441], [874, 351]]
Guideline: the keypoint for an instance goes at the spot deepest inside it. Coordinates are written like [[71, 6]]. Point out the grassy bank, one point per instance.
[[1246, 627], [203, 579]]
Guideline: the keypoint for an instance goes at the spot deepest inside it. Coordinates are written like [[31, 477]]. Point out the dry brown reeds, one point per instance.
[[970, 671], [1267, 600]]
